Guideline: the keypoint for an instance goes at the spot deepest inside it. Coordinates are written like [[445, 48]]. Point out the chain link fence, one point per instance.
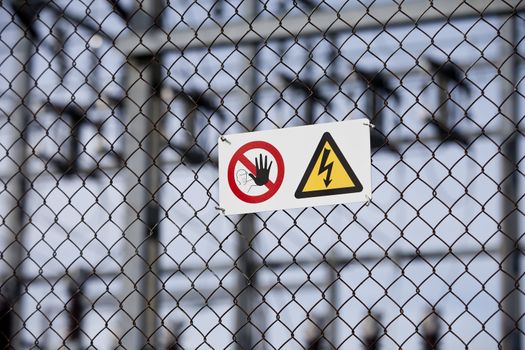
[[111, 238]]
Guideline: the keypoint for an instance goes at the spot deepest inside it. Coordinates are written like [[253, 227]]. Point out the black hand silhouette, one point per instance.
[[262, 171]]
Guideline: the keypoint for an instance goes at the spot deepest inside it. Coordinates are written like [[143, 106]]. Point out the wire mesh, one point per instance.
[[110, 113]]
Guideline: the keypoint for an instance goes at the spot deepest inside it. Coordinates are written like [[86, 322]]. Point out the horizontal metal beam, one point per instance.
[[217, 295], [319, 22], [110, 169], [279, 265]]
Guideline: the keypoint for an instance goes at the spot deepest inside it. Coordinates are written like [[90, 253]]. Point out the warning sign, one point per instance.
[[304, 166], [328, 172], [251, 174]]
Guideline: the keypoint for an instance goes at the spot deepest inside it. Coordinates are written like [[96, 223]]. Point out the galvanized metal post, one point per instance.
[[510, 250], [140, 320], [244, 328]]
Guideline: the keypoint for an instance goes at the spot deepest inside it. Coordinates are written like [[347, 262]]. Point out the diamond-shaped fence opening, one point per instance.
[[111, 231]]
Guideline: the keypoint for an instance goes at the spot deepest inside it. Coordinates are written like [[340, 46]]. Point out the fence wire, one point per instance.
[[111, 238]]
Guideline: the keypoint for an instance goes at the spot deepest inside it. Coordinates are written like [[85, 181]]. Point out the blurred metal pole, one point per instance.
[[373, 108], [6, 322], [350, 20], [331, 326], [16, 186], [315, 338], [372, 332], [510, 252], [76, 310], [140, 320], [243, 335], [333, 269], [431, 331], [309, 103], [244, 328], [174, 336]]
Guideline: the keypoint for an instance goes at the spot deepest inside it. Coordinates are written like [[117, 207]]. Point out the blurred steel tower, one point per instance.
[[139, 316]]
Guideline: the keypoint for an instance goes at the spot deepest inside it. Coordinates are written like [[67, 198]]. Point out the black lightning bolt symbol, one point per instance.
[[326, 167]]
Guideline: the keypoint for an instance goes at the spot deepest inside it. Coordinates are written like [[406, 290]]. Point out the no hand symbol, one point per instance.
[[258, 180]]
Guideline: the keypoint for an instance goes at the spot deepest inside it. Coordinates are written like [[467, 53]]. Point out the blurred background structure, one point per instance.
[[110, 111]]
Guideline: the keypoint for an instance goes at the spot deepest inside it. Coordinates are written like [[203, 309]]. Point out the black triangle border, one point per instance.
[[357, 188]]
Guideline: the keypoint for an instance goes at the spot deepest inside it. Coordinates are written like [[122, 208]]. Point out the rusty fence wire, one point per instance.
[[110, 234]]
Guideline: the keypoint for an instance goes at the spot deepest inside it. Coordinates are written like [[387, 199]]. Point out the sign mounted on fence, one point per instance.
[[328, 172], [295, 167], [255, 182]]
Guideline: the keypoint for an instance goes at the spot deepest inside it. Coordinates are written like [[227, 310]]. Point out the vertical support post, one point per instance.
[[378, 133], [245, 295], [16, 187], [6, 322], [173, 336], [372, 332], [333, 268], [332, 321], [244, 329], [150, 283], [309, 110], [373, 109], [510, 251], [315, 338], [431, 331], [76, 311], [140, 320]]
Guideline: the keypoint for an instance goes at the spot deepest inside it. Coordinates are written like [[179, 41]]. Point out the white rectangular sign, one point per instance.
[[297, 167]]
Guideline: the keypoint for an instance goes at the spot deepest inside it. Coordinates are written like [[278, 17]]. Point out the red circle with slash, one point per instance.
[[239, 156]]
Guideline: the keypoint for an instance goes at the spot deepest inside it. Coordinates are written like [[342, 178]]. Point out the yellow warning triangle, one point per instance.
[[328, 172]]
